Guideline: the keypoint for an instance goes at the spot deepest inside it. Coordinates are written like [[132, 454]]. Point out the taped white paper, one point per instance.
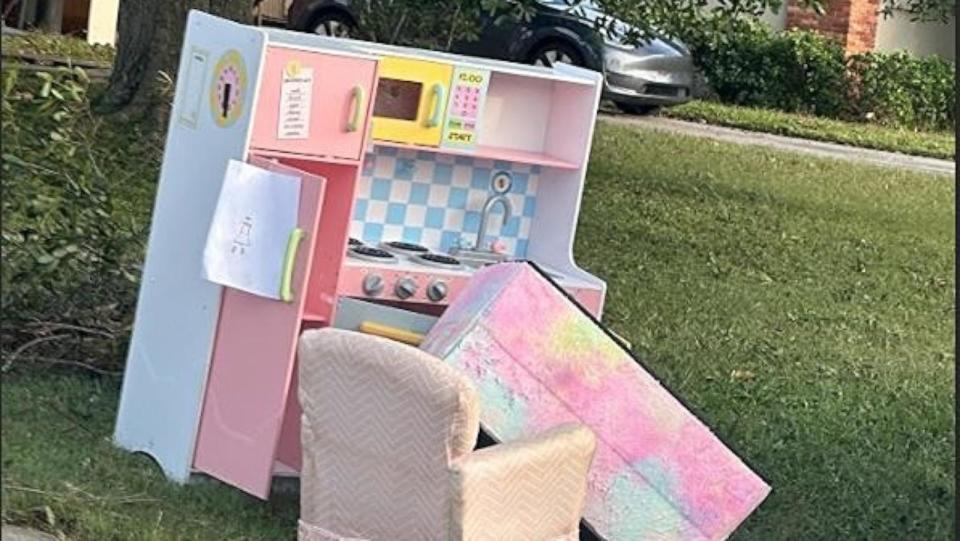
[[296, 94], [247, 241]]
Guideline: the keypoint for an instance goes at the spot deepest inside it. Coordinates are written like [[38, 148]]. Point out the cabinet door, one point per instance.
[[252, 366], [411, 101], [314, 103]]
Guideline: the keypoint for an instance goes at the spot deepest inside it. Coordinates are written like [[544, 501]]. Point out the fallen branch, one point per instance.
[[70, 327], [77, 364], [30, 344]]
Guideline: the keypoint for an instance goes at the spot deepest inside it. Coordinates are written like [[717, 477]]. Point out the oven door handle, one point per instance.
[[434, 120]]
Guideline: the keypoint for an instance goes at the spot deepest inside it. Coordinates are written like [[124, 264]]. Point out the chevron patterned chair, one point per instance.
[[388, 436]]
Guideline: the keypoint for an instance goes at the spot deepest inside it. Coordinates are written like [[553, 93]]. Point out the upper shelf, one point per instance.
[[490, 153]]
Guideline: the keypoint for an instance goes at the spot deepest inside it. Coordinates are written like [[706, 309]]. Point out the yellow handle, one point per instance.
[[358, 106], [393, 333], [289, 259]]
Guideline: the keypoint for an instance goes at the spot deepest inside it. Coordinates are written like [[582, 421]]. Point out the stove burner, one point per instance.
[[354, 242], [369, 253], [404, 248], [438, 260]]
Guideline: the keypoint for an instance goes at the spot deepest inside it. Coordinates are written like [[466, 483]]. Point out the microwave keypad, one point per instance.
[[465, 107]]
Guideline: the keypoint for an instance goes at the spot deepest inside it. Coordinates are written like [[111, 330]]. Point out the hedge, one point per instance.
[[747, 63], [75, 215]]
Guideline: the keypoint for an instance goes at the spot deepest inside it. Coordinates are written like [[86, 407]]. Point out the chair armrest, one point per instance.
[[531, 490]]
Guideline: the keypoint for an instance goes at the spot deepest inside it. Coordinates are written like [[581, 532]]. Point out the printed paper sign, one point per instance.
[[465, 109], [247, 241], [295, 96]]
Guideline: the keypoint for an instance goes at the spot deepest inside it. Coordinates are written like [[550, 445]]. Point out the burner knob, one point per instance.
[[373, 285], [437, 290], [405, 288]]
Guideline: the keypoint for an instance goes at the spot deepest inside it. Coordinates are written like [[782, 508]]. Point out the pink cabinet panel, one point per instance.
[[253, 365], [314, 104]]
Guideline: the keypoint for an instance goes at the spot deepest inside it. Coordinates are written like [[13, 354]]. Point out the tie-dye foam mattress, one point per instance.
[[538, 360]]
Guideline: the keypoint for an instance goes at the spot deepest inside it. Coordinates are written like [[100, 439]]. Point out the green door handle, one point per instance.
[[434, 119], [359, 104], [289, 259]]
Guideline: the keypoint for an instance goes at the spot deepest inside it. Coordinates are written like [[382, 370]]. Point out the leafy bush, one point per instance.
[[75, 213], [900, 90], [746, 63]]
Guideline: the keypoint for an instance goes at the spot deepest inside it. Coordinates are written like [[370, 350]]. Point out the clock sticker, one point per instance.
[[228, 89]]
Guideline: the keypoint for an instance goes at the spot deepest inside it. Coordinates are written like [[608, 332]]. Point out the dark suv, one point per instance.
[[637, 78]]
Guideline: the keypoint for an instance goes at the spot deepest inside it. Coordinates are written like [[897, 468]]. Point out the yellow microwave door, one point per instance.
[[424, 125]]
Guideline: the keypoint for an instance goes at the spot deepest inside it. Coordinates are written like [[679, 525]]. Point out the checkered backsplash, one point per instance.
[[433, 199]]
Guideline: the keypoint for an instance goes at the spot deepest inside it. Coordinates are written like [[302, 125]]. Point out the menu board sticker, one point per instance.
[[465, 108], [296, 93]]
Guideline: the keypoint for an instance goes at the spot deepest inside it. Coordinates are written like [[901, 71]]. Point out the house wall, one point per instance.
[[776, 20], [892, 33], [922, 39], [102, 21]]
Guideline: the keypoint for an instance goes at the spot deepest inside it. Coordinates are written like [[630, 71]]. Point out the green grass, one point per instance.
[[930, 144], [805, 307], [57, 455], [39, 43]]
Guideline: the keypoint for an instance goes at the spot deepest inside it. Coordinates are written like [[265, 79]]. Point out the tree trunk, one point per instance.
[[149, 38]]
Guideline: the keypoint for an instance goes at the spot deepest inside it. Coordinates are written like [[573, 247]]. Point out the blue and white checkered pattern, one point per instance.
[[433, 199]]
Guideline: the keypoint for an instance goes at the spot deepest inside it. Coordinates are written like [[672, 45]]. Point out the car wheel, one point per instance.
[[635, 109], [333, 24], [555, 52]]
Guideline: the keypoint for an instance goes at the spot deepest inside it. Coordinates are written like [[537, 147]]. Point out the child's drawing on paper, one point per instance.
[[242, 240], [247, 242]]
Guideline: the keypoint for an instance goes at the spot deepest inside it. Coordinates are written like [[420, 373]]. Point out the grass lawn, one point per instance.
[[931, 144], [805, 307]]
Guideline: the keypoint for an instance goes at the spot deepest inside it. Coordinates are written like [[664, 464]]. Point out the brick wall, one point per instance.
[[851, 22]]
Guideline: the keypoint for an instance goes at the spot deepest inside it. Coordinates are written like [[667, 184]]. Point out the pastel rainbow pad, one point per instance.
[[539, 360]]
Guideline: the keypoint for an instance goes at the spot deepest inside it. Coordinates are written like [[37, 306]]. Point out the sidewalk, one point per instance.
[[791, 144]]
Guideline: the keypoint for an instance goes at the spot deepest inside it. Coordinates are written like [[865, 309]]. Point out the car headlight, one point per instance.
[[614, 56]]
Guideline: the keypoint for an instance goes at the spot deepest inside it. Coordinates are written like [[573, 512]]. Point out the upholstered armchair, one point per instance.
[[388, 436]]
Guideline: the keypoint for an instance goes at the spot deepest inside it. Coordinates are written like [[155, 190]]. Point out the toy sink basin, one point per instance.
[[478, 258]]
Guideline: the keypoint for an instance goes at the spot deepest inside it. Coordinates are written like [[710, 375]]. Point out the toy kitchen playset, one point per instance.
[[313, 182], [404, 171]]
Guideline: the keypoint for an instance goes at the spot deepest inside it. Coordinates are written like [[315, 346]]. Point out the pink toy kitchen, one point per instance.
[[312, 182]]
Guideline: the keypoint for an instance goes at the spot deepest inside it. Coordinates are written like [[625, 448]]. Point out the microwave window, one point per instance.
[[397, 99]]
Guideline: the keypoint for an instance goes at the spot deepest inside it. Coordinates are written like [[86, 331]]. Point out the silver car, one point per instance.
[[638, 78]]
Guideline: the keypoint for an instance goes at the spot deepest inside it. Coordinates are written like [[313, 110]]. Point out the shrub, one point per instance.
[[74, 220], [900, 90], [746, 63]]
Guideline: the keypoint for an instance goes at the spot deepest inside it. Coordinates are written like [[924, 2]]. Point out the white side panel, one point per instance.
[[554, 225], [177, 309]]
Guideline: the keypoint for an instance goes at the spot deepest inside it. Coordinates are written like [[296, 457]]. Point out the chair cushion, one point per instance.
[[381, 423]]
